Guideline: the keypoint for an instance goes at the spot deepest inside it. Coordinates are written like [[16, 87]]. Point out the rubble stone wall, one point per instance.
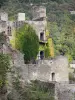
[[43, 69]]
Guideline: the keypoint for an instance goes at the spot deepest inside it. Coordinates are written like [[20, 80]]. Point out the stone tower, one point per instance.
[[39, 13], [40, 26]]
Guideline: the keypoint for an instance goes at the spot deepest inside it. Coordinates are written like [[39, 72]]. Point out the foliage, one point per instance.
[[36, 90], [51, 47], [4, 67], [41, 47], [27, 42], [2, 2], [47, 52], [53, 7], [71, 77], [63, 36]]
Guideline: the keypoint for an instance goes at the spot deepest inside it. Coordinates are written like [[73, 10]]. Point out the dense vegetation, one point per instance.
[[4, 67], [63, 36], [36, 90], [41, 1], [53, 6], [27, 42]]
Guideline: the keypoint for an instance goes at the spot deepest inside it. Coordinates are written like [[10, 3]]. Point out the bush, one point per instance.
[[4, 67], [35, 91]]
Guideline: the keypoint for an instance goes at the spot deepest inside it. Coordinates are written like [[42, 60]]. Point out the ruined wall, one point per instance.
[[65, 91], [36, 90], [39, 26], [43, 69]]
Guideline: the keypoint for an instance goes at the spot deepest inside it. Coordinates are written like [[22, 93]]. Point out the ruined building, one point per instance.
[[47, 70], [51, 70], [39, 23]]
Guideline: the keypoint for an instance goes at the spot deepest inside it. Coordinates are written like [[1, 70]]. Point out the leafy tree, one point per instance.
[[63, 36], [27, 42], [2, 2], [35, 91]]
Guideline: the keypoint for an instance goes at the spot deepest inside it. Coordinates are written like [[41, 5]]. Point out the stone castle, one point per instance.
[[51, 70], [39, 23]]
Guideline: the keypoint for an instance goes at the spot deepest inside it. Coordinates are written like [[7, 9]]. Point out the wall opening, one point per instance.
[[9, 30], [53, 76], [41, 55], [42, 36]]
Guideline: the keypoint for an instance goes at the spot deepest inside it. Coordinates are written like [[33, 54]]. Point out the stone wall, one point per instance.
[[44, 70], [36, 90], [65, 91], [39, 26]]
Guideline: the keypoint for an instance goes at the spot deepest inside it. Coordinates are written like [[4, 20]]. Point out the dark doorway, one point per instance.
[[53, 76], [42, 36], [41, 55]]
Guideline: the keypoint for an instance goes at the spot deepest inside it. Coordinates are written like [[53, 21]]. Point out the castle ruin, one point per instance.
[[51, 70]]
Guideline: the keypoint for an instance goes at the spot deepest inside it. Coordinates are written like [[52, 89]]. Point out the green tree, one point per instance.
[[27, 42], [2, 2], [63, 36]]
